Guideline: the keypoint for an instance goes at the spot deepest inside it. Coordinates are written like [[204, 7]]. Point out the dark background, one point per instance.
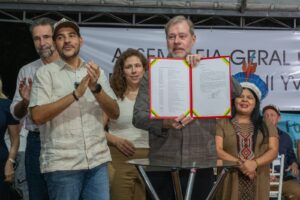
[[16, 50]]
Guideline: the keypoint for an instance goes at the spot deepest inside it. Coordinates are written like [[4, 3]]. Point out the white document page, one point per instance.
[[169, 88], [211, 88]]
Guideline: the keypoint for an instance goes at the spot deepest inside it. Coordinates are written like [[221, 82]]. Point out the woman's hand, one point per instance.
[[9, 172], [252, 175], [248, 168], [124, 146]]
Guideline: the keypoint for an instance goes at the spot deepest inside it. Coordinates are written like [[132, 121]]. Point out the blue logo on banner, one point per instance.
[[290, 123]]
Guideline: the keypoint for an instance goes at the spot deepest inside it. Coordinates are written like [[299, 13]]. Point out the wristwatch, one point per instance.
[[97, 89]]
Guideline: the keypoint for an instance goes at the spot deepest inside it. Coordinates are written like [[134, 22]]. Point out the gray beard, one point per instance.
[[46, 54], [171, 55]]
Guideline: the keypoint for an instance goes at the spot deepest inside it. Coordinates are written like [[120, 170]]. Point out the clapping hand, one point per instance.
[[25, 89], [93, 71], [82, 86]]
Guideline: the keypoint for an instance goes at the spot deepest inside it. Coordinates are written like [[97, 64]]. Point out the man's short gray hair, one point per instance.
[[41, 22], [178, 19]]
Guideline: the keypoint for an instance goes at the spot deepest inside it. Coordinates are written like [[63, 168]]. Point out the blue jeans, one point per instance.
[[89, 184], [37, 187]]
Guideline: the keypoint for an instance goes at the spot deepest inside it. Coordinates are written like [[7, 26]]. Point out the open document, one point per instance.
[[201, 92]]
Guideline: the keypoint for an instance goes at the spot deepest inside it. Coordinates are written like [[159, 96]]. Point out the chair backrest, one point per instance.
[[277, 171]]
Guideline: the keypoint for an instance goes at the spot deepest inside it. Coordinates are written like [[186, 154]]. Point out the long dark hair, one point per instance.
[[256, 119]]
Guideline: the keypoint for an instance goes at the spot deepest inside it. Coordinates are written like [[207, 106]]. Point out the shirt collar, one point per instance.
[[63, 64]]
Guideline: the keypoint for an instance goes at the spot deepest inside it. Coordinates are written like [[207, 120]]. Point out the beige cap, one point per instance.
[[65, 23], [273, 107]]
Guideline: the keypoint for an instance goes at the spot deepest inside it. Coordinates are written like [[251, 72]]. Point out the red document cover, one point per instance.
[[201, 92]]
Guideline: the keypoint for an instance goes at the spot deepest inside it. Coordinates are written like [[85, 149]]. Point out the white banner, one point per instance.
[[277, 53]]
